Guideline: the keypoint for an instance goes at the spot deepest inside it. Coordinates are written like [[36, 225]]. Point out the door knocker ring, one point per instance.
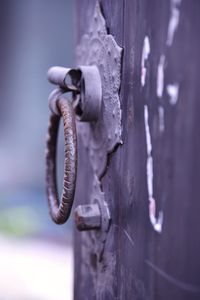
[[60, 211]]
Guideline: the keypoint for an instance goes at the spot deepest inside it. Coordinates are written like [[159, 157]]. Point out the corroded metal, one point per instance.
[[87, 217], [53, 99], [95, 215], [98, 197], [96, 239], [90, 98], [85, 84], [62, 76], [95, 85], [100, 49], [60, 211]]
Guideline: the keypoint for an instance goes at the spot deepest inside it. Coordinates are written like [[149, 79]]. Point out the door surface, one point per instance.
[[151, 183]]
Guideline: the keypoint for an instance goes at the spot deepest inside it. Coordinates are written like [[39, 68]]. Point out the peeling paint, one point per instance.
[[173, 92], [149, 154], [156, 222], [159, 91], [147, 130], [161, 117], [174, 21], [145, 55], [160, 76]]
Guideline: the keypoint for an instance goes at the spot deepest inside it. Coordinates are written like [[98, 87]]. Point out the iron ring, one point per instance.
[[60, 210]]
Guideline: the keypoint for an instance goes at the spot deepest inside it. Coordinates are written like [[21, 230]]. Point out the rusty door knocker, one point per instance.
[[95, 104], [85, 104], [61, 211], [61, 107]]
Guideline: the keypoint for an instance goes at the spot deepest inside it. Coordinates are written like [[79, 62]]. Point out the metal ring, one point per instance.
[[60, 211]]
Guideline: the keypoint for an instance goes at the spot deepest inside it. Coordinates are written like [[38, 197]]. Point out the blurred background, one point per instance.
[[36, 261]]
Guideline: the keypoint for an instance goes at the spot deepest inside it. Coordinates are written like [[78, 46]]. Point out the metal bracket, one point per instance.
[[84, 83], [97, 48], [100, 49]]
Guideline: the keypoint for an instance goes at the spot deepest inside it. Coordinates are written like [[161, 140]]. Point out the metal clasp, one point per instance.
[[85, 85]]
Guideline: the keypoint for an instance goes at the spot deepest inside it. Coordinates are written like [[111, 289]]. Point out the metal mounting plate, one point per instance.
[[100, 49]]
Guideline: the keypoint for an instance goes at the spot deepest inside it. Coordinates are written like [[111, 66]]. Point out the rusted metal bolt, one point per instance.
[[87, 217]]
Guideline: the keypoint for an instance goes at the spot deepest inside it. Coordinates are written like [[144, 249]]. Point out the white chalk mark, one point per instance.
[[150, 175], [174, 21], [145, 55], [160, 76], [156, 222], [173, 91], [147, 130], [149, 156], [160, 88], [161, 117]]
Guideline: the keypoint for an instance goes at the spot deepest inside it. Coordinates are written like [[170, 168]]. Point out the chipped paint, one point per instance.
[[145, 55], [147, 130], [174, 21], [149, 156], [156, 222], [159, 91], [160, 76], [161, 118], [173, 92]]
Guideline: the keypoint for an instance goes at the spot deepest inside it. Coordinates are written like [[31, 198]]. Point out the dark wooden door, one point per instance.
[[152, 181]]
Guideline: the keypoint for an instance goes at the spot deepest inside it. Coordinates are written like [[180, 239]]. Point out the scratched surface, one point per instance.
[[152, 182]]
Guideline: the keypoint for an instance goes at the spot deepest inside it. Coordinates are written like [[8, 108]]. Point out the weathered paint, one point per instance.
[[156, 222], [174, 21], [161, 117], [145, 55], [173, 92], [159, 91], [160, 76]]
